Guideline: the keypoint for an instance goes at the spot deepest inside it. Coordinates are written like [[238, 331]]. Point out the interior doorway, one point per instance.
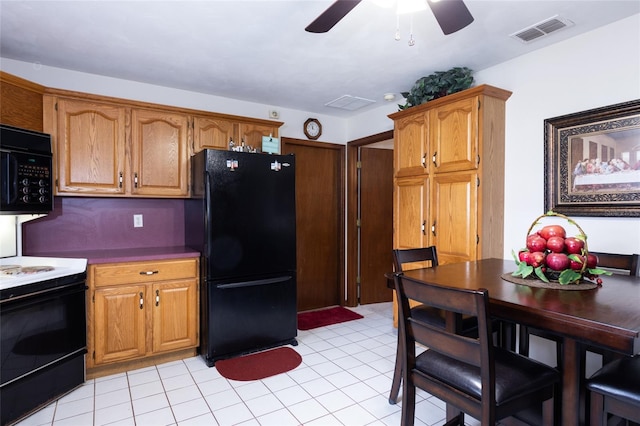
[[369, 218], [319, 222]]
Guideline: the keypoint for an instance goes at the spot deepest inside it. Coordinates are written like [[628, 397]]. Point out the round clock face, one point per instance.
[[312, 128]]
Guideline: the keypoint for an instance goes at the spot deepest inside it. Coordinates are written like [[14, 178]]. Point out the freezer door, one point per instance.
[[250, 211], [246, 316]]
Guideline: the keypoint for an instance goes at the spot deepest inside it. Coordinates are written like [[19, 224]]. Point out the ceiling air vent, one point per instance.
[[349, 103], [542, 29]]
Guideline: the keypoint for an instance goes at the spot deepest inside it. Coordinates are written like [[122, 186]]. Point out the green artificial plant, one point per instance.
[[437, 85]]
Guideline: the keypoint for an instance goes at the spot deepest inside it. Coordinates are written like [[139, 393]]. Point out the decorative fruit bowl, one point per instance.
[[550, 255]]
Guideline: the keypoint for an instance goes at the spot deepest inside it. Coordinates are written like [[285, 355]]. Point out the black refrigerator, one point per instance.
[[242, 218]]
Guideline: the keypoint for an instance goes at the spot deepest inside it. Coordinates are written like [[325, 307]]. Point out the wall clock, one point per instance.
[[312, 128]]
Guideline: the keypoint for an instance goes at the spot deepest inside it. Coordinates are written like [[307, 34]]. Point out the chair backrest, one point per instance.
[[621, 263], [477, 351], [401, 257]]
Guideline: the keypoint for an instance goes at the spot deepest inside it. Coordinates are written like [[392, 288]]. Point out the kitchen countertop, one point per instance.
[[128, 255]]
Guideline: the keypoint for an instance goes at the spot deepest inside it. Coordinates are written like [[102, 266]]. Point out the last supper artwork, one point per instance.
[[605, 162]]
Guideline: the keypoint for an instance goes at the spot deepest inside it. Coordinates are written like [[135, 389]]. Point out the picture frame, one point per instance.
[[592, 162]]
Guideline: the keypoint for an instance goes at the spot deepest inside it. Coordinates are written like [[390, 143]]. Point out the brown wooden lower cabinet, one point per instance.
[[140, 312]]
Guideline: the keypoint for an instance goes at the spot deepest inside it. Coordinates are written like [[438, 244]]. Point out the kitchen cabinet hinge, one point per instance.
[[358, 279], [478, 182], [55, 106], [479, 104], [358, 164], [358, 223], [477, 239]]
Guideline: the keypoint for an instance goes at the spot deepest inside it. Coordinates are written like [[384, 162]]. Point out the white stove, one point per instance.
[[22, 270]]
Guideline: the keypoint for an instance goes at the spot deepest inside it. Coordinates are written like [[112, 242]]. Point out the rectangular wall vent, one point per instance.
[[542, 29]]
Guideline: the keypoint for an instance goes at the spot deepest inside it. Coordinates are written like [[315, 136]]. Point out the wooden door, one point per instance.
[[411, 214], [454, 136], [90, 147], [175, 319], [376, 223], [411, 150], [159, 153], [209, 132], [319, 222], [252, 133], [120, 323], [454, 217]]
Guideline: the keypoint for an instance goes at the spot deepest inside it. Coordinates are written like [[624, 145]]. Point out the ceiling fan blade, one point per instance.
[[452, 15], [331, 16]]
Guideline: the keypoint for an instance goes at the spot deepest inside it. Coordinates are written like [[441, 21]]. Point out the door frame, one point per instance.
[[352, 211]]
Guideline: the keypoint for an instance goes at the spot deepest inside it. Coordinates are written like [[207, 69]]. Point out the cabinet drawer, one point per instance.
[[143, 272]]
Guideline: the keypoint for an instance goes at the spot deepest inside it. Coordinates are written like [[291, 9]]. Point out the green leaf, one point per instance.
[[569, 276], [597, 271], [541, 274], [523, 270]]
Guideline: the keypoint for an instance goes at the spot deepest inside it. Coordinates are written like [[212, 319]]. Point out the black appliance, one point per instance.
[[26, 185], [242, 218], [42, 332]]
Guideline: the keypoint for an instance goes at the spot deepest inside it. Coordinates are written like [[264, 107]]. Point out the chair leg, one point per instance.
[[597, 416], [397, 375], [408, 404]]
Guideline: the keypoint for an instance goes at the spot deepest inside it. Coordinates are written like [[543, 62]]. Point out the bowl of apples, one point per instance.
[[550, 255]]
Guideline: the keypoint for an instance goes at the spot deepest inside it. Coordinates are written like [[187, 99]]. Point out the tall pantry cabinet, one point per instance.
[[449, 175]]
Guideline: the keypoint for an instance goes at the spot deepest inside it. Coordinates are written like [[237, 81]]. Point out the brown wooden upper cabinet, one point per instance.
[[216, 132], [111, 147], [449, 175]]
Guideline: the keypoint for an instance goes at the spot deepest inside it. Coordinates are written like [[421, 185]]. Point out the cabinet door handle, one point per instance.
[[424, 161], [157, 297], [135, 180], [120, 180], [433, 159], [148, 272], [141, 300], [433, 228], [424, 227]]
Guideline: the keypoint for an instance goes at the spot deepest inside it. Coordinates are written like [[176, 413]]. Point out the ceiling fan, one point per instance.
[[452, 15]]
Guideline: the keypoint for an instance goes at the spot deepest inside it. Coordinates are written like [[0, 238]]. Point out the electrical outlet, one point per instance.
[[137, 221]]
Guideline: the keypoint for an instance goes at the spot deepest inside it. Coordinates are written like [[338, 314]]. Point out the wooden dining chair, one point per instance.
[[627, 264], [615, 389], [470, 374], [425, 257]]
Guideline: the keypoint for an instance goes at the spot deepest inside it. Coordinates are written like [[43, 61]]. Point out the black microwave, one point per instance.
[[26, 170]]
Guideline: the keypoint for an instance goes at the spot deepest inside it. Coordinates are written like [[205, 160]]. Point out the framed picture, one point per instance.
[[592, 162]]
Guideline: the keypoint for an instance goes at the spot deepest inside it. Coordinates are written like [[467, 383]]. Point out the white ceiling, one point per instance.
[[258, 51]]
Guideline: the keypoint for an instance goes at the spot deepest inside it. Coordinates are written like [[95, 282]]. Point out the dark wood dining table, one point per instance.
[[606, 317]]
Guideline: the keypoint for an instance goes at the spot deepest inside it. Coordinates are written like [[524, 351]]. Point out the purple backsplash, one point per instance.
[[105, 223]]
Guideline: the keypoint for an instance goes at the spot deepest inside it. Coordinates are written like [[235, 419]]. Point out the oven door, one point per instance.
[[42, 329]]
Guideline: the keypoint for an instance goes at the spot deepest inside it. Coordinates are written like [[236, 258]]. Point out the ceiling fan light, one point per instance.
[[410, 6]]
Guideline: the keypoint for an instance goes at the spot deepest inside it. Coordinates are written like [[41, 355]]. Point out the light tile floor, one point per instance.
[[344, 379]]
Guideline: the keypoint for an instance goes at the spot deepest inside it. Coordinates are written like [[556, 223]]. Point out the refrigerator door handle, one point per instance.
[[253, 283]]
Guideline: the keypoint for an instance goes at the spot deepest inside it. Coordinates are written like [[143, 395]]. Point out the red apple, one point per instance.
[[557, 261], [592, 261], [536, 243], [552, 231], [556, 244], [576, 265], [574, 245], [524, 256], [537, 258]]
